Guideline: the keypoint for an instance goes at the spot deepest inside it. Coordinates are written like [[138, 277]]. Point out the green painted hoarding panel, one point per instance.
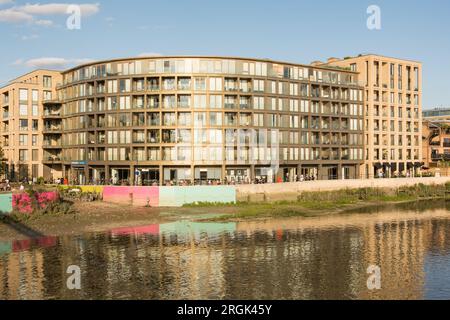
[[5, 203]]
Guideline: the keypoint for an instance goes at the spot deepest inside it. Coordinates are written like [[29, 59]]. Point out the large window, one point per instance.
[[23, 140], [23, 95], [47, 82]]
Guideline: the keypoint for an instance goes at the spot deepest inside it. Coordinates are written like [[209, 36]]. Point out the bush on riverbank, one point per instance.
[[36, 202], [376, 194], [319, 200]]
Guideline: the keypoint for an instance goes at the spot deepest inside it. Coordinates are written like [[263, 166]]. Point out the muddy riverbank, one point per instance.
[[100, 216]]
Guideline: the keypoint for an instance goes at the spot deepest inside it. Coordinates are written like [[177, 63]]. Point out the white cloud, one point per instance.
[[27, 13], [13, 16], [58, 9], [44, 23], [50, 62], [149, 54], [5, 1], [30, 37]]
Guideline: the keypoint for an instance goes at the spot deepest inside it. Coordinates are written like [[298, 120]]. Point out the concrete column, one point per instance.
[[339, 172], [87, 179], [224, 173], [161, 175], [107, 175], [192, 174], [132, 177], [252, 173]]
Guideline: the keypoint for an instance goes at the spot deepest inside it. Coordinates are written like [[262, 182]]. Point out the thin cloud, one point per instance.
[[6, 1], [58, 9], [28, 13], [50, 62], [29, 37], [13, 16], [149, 54]]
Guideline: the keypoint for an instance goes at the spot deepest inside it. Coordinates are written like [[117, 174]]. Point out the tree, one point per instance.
[[2, 162]]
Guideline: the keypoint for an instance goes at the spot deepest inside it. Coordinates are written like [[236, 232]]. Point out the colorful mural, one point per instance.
[[135, 196]]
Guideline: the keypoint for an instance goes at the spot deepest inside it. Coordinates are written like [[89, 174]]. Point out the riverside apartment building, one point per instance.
[[192, 120], [25, 131], [392, 113]]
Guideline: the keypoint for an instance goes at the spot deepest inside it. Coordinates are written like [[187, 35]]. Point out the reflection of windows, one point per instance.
[[215, 102], [169, 119], [184, 119], [200, 84], [215, 118], [199, 119], [215, 84], [184, 136], [200, 101]]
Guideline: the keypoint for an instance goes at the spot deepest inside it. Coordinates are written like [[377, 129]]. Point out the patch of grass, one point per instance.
[[314, 203]]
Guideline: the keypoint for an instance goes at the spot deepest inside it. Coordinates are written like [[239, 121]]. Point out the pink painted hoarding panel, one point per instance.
[[136, 196]]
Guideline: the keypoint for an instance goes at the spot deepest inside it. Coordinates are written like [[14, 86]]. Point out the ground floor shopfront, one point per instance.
[[148, 175], [393, 169]]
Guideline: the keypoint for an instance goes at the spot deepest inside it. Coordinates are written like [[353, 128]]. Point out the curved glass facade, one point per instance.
[[183, 120]]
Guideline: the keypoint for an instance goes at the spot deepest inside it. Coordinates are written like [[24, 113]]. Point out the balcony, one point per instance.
[[52, 160], [51, 115], [52, 145], [52, 129]]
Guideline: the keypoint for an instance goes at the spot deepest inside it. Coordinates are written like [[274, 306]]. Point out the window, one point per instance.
[[34, 139], [35, 95], [215, 84], [200, 101], [200, 84], [23, 124], [125, 85], [47, 81], [34, 155], [112, 86], [215, 102], [35, 110], [23, 155], [215, 118], [23, 110], [23, 140], [23, 95]]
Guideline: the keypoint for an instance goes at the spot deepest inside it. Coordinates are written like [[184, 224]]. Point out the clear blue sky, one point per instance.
[[297, 31]]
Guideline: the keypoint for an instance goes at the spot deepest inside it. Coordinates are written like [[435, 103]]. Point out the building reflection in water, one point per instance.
[[294, 258]]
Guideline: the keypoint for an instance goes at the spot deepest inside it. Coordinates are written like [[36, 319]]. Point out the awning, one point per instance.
[[378, 165], [409, 165], [394, 166], [387, 165]]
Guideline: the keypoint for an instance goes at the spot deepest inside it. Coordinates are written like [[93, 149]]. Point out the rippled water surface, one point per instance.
[[294, 258]]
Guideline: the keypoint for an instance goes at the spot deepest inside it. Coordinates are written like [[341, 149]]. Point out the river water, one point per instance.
[[293, 258]]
